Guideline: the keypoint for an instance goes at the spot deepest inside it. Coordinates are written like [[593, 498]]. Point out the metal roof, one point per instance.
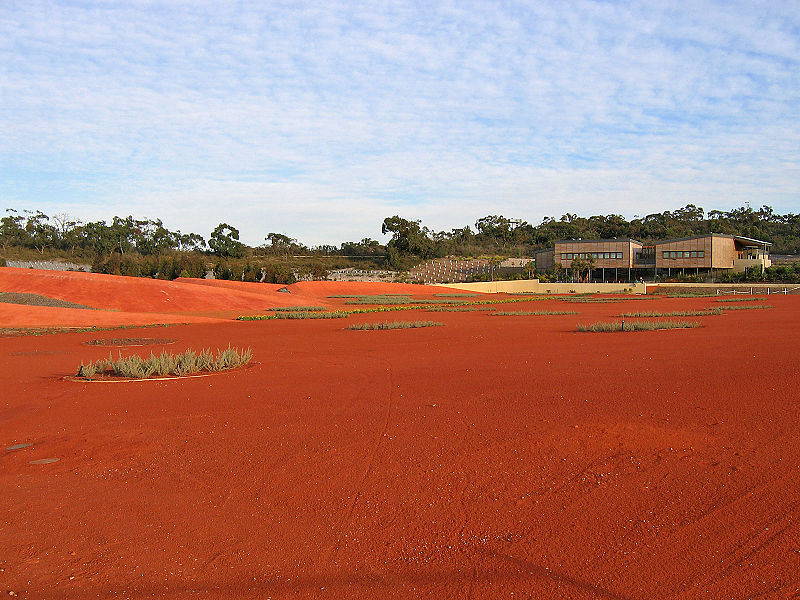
[[600, 241], [740, 238]]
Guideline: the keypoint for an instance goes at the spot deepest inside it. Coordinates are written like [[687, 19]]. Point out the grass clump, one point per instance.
[[166, 364], [754, 307], [751, 299], [516, 313], [676, 313], [603, 326], [298, 308], [394, 325]]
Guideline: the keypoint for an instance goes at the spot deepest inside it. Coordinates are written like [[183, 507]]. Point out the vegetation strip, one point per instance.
[[298, 308], [759, 306], [394, 325], [456, 308], [390, 308], [603, 326], [165, 364], [677, 313], [455, 295], [511, 313], [25, 331], [751, 299]]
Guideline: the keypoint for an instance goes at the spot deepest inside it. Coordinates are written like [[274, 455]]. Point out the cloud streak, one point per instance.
[[319, 119]]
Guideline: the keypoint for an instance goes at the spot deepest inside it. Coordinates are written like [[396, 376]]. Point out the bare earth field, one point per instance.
[[493, 457]]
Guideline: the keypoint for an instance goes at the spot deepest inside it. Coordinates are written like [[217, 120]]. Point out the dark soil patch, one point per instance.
[[37, 300]]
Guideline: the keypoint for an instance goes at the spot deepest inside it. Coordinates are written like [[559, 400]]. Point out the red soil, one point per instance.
[[495, 457]]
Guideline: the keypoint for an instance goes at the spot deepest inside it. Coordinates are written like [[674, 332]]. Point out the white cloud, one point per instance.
[[319, 119]]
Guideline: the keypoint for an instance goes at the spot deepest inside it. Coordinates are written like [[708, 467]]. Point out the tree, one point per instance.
[[224, 241], [582, 267], [280, 244], [498, 228], [40, 232], [408, 238], [12, 229]]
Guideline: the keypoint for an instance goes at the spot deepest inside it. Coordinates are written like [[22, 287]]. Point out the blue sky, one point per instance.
[[319, 119]]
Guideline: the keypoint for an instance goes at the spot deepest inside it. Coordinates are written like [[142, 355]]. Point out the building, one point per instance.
[[703, 253], [545, 259], [626, 259]]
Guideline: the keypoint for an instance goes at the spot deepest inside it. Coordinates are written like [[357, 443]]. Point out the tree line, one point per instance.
[[145, 247]]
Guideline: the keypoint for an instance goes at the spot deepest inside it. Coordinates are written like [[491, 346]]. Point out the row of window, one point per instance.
[[684, 254], [596, 255]]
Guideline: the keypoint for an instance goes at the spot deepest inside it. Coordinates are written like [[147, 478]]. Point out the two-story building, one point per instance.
[[626, 259]]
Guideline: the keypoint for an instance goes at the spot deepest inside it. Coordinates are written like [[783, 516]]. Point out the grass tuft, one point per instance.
[[603, 326], [394, 325], [751, 299], [754, 307], [165, 364]]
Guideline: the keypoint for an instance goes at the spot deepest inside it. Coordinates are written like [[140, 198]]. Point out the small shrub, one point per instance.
[[603, 326], [394, 325]]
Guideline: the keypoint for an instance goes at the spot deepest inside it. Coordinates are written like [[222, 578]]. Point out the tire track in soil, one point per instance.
[[359, 487]]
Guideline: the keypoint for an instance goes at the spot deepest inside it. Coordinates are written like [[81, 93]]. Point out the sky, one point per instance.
[[320, 119]]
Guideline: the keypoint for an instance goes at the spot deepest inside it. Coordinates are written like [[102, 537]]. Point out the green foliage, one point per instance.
[[224, 241], [753, 307]]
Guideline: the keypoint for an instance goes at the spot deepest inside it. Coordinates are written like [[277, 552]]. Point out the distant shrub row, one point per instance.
[[394, 325]]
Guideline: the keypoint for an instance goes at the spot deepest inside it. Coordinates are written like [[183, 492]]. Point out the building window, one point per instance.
[[563, 256], [619, 254], [700, 254], [693, 254]]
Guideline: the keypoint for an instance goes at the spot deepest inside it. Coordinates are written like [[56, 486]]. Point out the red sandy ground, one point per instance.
[[494, 457]]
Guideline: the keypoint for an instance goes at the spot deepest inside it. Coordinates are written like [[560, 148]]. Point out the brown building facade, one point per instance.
[[712, 251], [606, 254], [630, 259]]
